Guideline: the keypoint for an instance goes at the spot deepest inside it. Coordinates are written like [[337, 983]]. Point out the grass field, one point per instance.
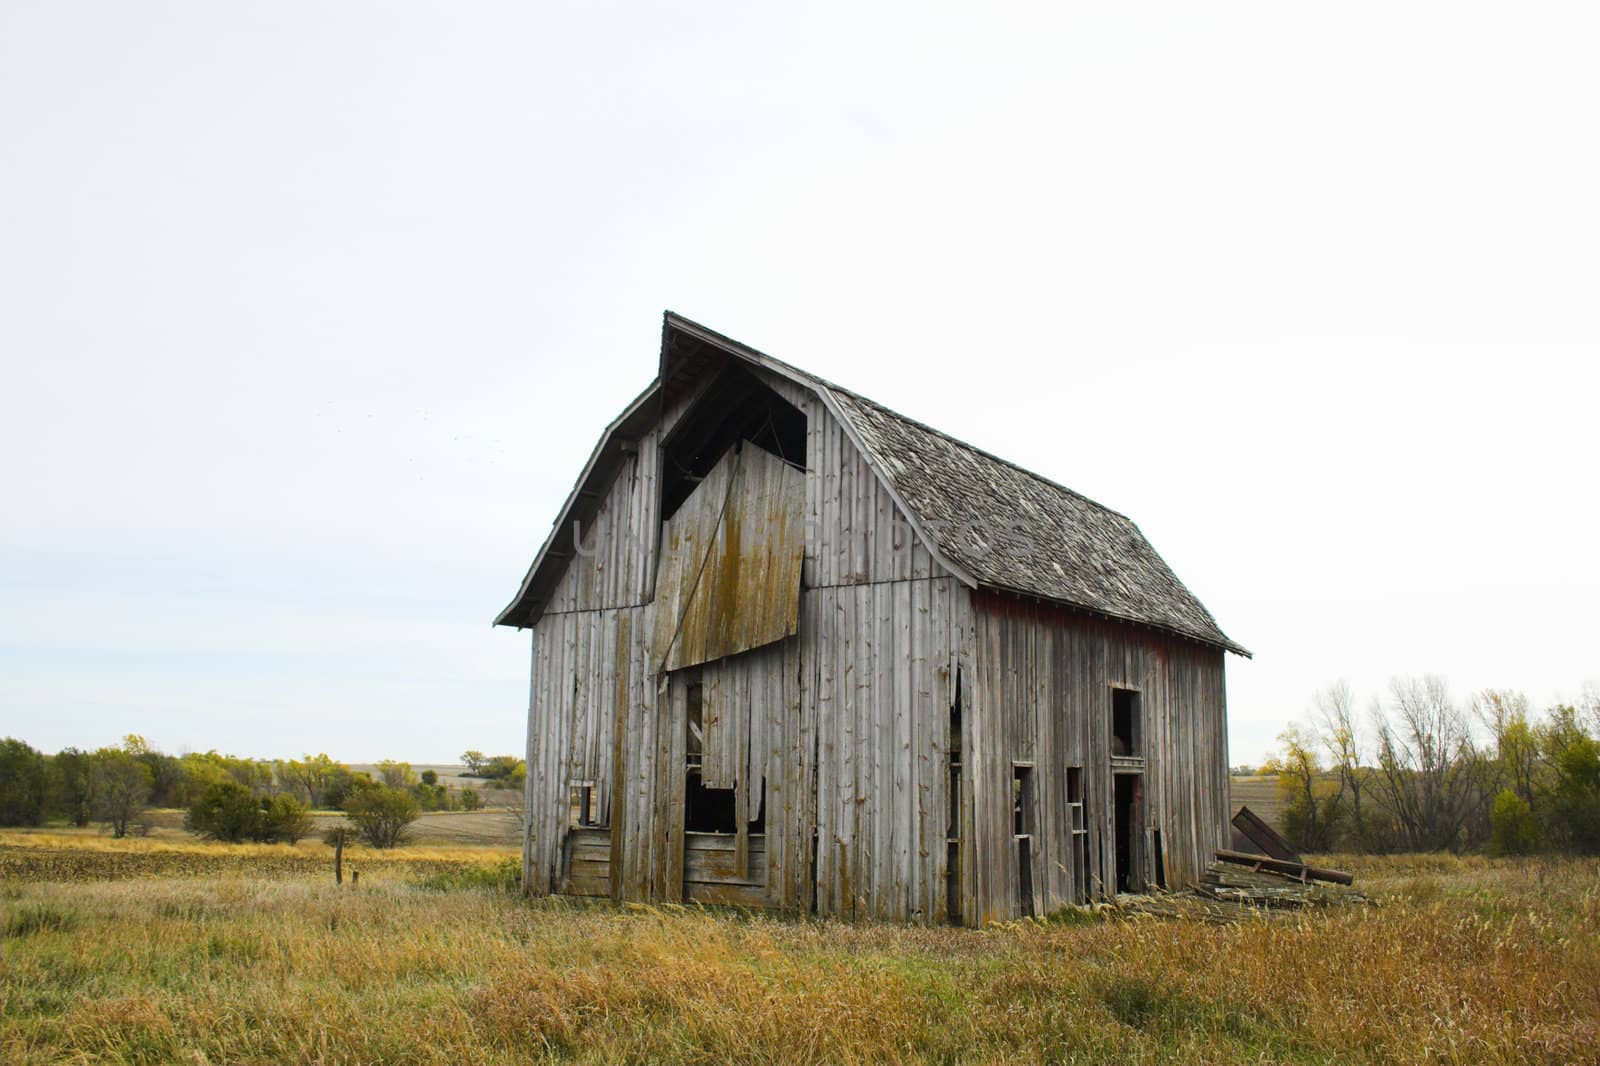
[[490, 827], [160, 951]]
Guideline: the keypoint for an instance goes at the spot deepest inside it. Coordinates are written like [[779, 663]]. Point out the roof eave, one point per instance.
[[1222, 644]]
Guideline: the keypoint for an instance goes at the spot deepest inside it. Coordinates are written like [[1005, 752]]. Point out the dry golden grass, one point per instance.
[[1465, 961]]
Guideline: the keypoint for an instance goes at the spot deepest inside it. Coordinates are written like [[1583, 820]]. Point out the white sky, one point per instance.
[[311, 313]]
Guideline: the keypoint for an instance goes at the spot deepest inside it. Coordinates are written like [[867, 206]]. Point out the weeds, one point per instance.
[[30, 918], [1494, 963]]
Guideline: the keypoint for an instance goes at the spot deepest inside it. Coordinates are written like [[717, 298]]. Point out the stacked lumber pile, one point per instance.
[[1260, 876], [1253, 887]]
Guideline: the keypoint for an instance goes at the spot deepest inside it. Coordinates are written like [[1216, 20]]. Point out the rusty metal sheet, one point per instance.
[[729, 578]]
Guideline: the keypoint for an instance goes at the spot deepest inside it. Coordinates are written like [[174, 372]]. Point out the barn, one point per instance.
[[793, 650]]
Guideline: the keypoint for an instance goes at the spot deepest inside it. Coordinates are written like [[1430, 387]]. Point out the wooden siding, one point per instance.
[[856, 533], [880, 664], [1043, 694], [729, 577], [840, 731]]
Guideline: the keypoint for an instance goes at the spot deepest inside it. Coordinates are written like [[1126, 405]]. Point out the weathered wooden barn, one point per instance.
[[794, 650]]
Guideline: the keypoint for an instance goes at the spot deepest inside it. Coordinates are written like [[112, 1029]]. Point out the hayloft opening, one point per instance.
[[735, 407], [1125, 738]]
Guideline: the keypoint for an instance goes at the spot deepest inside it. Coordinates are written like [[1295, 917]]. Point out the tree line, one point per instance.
[[1422, 771], [225, 797]]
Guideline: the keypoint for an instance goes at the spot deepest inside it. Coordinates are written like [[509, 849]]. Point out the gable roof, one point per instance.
[[988, 521]]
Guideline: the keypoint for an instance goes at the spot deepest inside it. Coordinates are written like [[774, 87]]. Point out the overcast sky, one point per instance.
[[310, 314]]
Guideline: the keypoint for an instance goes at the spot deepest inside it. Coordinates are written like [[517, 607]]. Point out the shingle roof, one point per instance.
[[1012, 529]]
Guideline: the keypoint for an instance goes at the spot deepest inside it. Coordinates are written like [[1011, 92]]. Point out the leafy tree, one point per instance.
[[119, 787], [396, 774], [1574, 802], [70, 796], [506, 771], [226, 811], [314, 777], [434, 797], [168, 782], [430, 778], [470, 800], [1311, 811], [1513, 829], [382, 813], [205, 769], [1515, 761], [342, 782], [475, 761], [24, 783]]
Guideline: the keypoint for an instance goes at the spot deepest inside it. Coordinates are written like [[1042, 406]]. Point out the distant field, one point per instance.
[[451, 774], [148, 951], [1260, 794], [497, 826], [493, 827]]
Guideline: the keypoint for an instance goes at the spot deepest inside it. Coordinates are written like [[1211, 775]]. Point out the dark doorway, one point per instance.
[[1125, 805]]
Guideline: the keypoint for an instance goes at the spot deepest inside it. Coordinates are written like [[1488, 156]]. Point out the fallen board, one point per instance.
[[1296, 870], [1260, 836]]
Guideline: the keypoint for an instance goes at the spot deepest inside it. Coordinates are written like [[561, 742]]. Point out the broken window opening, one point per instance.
[[758, 824], [1125, 732], [709, 810], [1080, 834], [1022, 799], [694, 714], [705, 810], [1160, 860], [584, 806]]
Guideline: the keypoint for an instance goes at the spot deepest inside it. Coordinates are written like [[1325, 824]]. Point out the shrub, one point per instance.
[[285, 819], [1513, 830], [470, 800], [381, 813], [503, 876], [226, 811]]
